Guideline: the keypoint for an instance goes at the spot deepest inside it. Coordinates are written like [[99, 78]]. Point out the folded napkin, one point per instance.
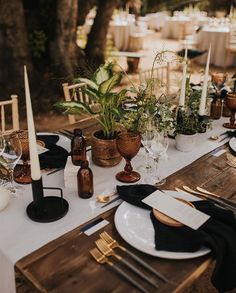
[[218, 233], [56, 156]]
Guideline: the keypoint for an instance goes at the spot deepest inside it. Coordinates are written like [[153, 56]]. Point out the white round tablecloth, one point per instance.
[[121, 32], [174, 26], [217, 37], [156, 21]]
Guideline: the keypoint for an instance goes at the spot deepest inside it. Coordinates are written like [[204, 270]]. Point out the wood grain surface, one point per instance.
[[65, 265]]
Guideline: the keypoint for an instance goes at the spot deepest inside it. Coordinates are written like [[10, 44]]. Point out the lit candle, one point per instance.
[[204, 87], [34, 158], [183, 85]]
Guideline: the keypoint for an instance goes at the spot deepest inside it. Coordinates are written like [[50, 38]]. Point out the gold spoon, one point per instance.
[[214, 137], [103, 198]]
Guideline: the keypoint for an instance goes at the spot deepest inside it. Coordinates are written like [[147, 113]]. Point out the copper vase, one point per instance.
[[128, 145], [231, 104]]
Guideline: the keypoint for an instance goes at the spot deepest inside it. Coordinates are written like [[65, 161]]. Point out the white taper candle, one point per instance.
[[183, 84], [34, 158], [204, 87]]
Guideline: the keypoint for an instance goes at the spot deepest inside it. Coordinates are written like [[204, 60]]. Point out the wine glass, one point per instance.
[[128, 145], [145, 137], [23, 175], [10, 156], [2, 144], [157, 145]]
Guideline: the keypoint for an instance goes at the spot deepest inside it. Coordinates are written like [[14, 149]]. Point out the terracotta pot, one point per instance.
[[184, 142], [104, 151]]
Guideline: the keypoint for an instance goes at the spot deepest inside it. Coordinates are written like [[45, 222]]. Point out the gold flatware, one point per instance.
[[107, 251], [225, 200], [188, 189], [102, 259], [112, 243], [214, 137], [231, 206], [103, 198], [207, 192]]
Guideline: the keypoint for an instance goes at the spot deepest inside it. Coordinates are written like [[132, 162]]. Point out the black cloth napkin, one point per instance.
[[56, 156], [218, 233]]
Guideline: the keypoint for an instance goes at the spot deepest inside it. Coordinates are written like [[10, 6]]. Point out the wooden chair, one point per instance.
[[161, 74], [14, 117], [231, 44], [74, 92]]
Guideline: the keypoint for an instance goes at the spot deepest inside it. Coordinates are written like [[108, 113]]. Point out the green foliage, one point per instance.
[[187, 117], [136, 109], [37, 43], [107, 102]]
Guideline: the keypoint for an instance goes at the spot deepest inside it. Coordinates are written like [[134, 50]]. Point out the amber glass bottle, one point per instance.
[[216, 108], [85, 180], [78, 148]]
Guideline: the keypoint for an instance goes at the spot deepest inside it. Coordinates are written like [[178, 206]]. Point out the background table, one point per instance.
[[217, 37]]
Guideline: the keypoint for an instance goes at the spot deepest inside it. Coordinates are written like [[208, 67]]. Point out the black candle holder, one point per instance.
[[46, 209]]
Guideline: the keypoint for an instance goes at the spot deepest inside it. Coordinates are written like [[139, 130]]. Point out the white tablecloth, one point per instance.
[[217, 37], [157, 20], [21, 236], [121, 32], [176, 25]]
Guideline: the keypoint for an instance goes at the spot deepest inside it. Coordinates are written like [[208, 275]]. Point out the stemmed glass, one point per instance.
[[157, 145], [10, 157], [128, 145], [2, 144], [145, 138], [24, 174]]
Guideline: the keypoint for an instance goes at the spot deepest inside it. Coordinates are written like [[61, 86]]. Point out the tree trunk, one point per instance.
[[14, 52], [84, 8], [66, 57], [97, 37]]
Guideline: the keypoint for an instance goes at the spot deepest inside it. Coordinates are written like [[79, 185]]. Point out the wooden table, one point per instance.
[[65, 265]]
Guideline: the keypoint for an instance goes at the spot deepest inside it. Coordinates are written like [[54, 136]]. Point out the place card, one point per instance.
[[175, 209], [94, 226], [218, 153]]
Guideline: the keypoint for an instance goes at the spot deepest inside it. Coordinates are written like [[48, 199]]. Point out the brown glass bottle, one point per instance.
[[85, 180], [216, 108], [78, 148]]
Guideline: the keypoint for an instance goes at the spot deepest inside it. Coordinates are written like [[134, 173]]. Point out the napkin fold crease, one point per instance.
[[218, 233]]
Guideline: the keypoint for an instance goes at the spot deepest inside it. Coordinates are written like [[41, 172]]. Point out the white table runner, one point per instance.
[[21, 236]]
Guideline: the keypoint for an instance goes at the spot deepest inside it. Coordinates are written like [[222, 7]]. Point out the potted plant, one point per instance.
[[188, 123], [106, 110]]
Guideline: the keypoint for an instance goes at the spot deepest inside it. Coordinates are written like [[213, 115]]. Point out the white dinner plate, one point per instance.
[[63, 141], [135, 227], [232, 144]]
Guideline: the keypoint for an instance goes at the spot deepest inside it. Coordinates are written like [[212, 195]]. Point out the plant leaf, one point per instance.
[[89, 83], [109, 84], [74, 107], [102, 73]]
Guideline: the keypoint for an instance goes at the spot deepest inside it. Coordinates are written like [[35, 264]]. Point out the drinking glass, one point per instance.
[[157, 145], [145, 138], [23, 175], [10, 157], [2, 144], [128, 145]]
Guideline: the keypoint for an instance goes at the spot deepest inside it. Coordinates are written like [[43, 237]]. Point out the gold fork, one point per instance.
[[102, 259], [101, 244], [112, 243]]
